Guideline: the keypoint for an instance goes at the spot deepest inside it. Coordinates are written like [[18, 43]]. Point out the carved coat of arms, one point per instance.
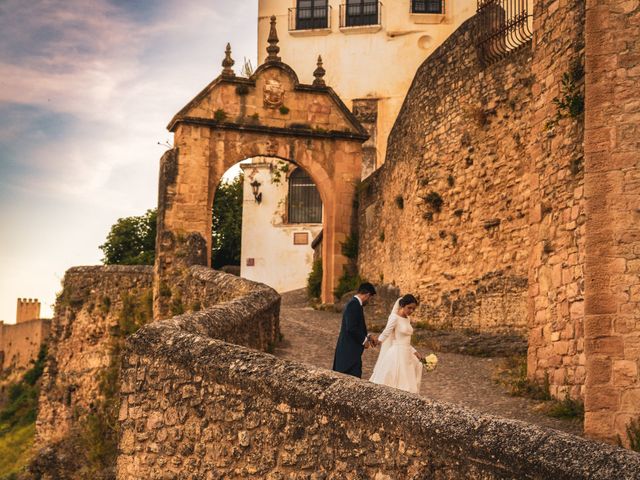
[[273, 94]]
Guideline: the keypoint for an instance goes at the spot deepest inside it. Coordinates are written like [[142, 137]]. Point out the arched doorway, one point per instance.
[[269, 114], [281, 217]]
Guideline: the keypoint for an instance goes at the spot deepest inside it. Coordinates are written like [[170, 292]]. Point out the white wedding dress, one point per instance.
[[397, 366]]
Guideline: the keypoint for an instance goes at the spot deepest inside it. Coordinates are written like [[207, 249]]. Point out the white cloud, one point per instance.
[[113, 78]]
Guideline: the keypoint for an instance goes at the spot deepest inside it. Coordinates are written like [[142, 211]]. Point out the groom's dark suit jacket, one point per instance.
[[348, 356]]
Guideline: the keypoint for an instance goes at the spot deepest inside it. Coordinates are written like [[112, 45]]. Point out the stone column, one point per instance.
[[338, 193], [184, 216], [612, 189]]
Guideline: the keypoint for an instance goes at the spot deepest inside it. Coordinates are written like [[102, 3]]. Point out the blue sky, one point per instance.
[[87, 88]]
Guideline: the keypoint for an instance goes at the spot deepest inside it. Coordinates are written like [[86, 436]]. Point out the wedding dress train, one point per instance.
[[397, 366]]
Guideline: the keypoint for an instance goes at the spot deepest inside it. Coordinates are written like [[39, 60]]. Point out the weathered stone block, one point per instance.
[[625, 373], [598, 371]]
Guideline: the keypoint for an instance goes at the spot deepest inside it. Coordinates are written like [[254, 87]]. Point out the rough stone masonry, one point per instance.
[[503, 213], [195, 407]]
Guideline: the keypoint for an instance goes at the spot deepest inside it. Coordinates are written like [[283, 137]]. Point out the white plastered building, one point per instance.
[[371, 51]]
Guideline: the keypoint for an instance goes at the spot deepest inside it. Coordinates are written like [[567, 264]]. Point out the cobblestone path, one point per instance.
[[310, 337]]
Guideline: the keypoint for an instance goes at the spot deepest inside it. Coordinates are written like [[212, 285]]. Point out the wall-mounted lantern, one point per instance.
[[255, 189]]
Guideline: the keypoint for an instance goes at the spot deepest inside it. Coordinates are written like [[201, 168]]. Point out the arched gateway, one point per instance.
[[269, 114]]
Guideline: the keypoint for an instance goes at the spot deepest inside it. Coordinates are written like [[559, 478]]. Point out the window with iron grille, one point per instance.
[[360, 12], [427, 6], [305, 205], [311, 14]]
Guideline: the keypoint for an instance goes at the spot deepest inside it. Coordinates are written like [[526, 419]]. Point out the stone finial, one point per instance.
[[273, 47], [319, 74], [227, 63]]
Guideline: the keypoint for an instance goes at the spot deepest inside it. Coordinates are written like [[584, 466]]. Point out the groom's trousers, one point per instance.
[[356, 370]]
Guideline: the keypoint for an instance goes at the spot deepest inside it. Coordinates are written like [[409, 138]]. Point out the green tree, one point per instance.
[[131, 241], [227, 223]]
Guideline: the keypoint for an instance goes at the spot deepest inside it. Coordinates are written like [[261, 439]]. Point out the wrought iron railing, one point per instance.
[[358, 14], [310, 18], [503, 27], [427, 6]]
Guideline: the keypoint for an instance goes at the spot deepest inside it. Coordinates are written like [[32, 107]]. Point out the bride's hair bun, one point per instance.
[[408, 299]]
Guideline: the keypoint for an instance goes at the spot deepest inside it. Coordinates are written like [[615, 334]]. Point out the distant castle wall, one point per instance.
[[20, 343]]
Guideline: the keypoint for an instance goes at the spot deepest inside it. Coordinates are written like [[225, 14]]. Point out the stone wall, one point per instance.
[[612, 189], [195, 407], [480, 207], [231, 308], [447, 216], [94, 306], [20, 343]]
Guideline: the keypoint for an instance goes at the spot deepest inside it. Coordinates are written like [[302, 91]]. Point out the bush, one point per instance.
[[350, 247], [314, 281], [17, 419], [567, 408], [347, 283], [512, 375], [22, 397], [226, 227], [15, 450], [633, 435], [131, 241], [137, 310]]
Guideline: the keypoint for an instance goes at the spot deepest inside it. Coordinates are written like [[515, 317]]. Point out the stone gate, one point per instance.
[[270, 114]]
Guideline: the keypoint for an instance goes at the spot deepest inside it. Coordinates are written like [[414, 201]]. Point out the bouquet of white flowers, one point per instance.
[[430, 362]]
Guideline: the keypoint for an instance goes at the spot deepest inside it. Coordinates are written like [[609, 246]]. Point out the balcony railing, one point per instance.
[[503, 27], [360, 14], [427, 6], [310, 18]]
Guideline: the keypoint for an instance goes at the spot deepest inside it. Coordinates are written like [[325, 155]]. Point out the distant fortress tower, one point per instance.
[[28, 309]]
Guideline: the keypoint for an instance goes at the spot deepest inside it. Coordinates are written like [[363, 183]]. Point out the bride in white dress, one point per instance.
[[399, 363]]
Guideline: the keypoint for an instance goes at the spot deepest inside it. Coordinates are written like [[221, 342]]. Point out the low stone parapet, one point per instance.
[[197, 407]]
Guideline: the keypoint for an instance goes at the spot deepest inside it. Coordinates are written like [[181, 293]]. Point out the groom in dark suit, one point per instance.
[[353, 338]]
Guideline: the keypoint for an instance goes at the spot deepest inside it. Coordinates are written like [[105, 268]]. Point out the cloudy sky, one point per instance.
[[87, 88]]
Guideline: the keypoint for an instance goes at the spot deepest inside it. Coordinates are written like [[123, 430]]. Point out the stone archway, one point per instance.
[[270, 114]]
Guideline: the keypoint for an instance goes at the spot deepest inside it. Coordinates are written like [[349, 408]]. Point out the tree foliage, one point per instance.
[[227, 223], [21, 403], [131, 241]]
